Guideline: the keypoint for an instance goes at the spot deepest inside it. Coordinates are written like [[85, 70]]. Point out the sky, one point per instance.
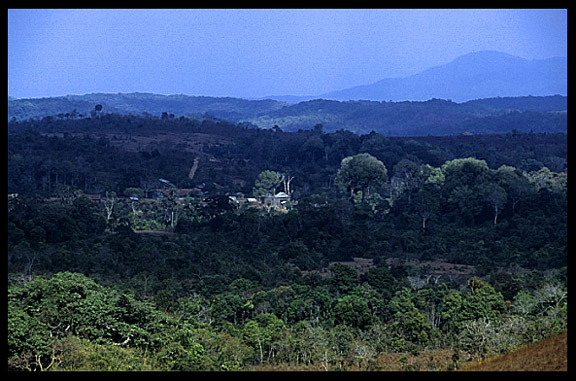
[[253, 53]]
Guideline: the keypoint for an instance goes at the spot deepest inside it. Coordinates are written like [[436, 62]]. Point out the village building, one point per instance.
[[277, 201], [96, 197]]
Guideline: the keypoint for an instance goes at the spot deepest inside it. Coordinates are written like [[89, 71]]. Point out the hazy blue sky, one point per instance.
[[254, 53]]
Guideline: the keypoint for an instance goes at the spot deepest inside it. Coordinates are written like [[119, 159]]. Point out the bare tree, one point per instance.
[[109, 201], [286, 179]]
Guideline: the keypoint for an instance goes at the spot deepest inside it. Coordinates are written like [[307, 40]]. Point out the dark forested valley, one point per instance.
[[192, 243]]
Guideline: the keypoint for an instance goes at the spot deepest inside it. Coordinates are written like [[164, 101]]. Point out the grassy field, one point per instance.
[[547, 355]]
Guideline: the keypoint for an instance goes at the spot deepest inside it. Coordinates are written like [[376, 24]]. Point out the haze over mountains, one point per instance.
[[516, 94], [476, 75]]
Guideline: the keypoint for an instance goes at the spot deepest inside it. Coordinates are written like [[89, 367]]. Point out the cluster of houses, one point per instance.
[[278, 201]]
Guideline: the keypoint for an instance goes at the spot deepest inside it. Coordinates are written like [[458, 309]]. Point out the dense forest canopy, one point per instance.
[[133, 245], [113, 152]]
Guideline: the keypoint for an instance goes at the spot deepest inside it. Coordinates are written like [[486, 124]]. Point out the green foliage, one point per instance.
[[266, 184], [344, 278], [327, 285], [361, 172], [69, 322], [353, 311]]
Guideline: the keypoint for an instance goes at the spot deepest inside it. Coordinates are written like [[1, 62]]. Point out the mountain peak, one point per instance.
[[487, 55], [483, 74]]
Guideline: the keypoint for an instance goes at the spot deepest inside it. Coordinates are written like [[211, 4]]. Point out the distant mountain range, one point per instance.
[[484, 74], [485, 92]]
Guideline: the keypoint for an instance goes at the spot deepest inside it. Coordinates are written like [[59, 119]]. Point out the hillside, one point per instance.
[[449, 246], [550, 354], [433, 117], [476, 75], [140, 103]]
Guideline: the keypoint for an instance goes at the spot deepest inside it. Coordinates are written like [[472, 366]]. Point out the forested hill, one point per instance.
[[393, 253], [231, 155], [432, 117]]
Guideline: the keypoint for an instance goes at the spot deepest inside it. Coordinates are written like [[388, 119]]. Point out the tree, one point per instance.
[[407, 173], [482, 337], [463, 172], [218, 204], [515, 183], [266, 183], [546, 179], [381, 279], [482, 302], [47, 308], [354, 311], [286, 179], [97, 111], [360, 173], [109, 201], [87, 216], [344, 278], [169, 206], [468, 202], [410, 324], [262, 334], [496, 196], [313, 148], [426, 204]]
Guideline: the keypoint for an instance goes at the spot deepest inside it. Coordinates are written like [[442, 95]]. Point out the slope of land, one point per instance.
[[233, 109], [550, 354]]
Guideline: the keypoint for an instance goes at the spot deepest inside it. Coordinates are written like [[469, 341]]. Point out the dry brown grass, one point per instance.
[[429, 360], [433, 360], [547, 355]]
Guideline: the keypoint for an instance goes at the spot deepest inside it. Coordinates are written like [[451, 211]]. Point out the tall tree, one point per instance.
[[407, 172], [496, 196], [426, 205], [266, 183], [360, 173], [515, 183]]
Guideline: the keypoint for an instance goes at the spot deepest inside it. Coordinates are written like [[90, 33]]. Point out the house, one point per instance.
[[277, 201], [183, 192], [96, 197]]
